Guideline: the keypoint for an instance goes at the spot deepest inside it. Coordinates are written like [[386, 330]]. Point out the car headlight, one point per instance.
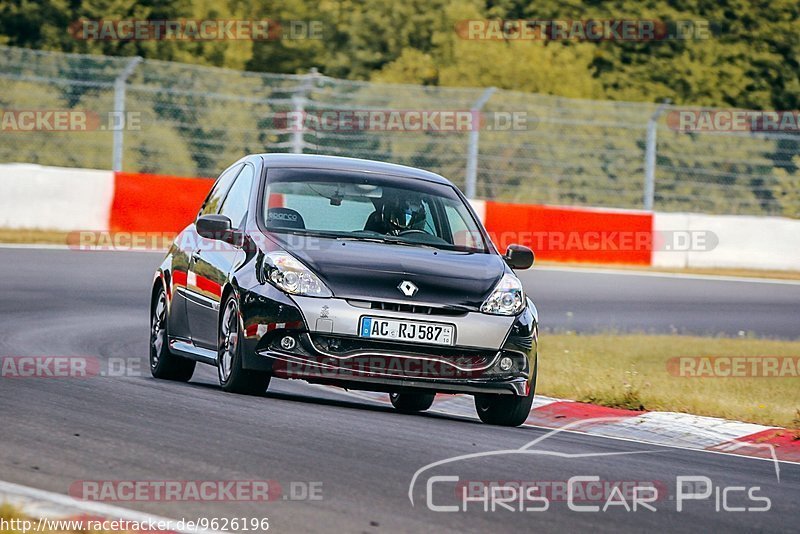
[[508, 298], [291, 276]]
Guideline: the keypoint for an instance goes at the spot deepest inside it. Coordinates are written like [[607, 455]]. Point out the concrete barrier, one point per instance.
[[729, 241], [65, 199], [54, 198], [479, 206]]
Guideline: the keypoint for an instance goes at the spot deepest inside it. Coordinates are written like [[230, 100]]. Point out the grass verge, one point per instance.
[[635, 372], [744, 273], [12, 520], [48, 237]]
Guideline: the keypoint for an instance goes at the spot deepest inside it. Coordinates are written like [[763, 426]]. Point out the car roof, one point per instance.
[[316, 161]]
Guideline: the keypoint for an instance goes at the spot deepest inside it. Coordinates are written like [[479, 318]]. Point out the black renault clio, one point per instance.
[[347, 272]]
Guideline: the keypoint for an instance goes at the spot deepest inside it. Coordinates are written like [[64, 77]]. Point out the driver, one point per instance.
[[402, 211]]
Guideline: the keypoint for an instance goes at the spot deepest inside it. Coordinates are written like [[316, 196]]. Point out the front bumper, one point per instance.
[[327, 349], [382, 367]]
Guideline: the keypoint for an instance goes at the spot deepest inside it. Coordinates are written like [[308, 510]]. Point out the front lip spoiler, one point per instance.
[[310, 346], [318, 372]]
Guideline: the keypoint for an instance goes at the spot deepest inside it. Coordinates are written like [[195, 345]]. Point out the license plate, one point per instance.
[[402, 330]]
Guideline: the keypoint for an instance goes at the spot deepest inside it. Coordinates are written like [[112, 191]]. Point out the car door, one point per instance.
[[211, 264], [184, 296], [195, 296]]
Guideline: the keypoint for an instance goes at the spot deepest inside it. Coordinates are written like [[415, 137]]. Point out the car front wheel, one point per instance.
[[232, 376], [411, 402], [503, 410]]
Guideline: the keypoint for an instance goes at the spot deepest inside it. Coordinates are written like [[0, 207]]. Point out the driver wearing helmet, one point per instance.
[[399, 213]]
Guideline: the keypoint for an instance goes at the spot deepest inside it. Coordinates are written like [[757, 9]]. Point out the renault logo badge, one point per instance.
[[407, 288]]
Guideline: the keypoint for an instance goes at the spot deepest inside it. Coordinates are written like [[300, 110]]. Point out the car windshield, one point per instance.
[[369, 207]]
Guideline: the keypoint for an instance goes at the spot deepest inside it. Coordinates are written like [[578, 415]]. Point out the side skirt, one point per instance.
[[187, 349]]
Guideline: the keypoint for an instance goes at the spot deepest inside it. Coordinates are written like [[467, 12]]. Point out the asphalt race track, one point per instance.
[[585, 301], [57, 431]]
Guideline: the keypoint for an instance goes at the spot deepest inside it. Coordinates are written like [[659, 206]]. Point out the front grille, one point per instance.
[[407, 308], [347, 346]]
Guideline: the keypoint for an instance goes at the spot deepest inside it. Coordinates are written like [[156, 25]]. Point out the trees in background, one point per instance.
[[198, 120], [749, 60]]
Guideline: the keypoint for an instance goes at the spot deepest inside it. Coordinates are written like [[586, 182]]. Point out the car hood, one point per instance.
[[372, 271]]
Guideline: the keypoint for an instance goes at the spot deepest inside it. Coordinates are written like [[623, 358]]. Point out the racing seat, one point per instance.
[[375, 223], [285, 218]]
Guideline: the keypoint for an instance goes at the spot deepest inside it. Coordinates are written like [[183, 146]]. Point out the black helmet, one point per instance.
[[404, 211]]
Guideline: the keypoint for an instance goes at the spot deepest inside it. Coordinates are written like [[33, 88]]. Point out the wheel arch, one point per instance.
[[231, 287], [160, 280]]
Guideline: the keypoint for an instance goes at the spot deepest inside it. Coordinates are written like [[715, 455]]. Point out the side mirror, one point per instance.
[[519, 257], [215, 227]]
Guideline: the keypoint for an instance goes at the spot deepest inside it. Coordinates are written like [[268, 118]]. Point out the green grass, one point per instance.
[[746, 273], [24, 236], [630, 371], [12, 517]]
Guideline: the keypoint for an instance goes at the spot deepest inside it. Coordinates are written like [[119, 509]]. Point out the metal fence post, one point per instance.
[[650, 157], [299, 107], [119, 111], [471, 178]]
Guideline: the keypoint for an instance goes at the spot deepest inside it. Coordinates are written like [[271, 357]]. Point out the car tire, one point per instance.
[[503, 410], [507, 410], [411, 402], [234, 378], [163, 363]]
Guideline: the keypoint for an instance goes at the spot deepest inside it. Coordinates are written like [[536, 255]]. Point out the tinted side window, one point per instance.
[[235, 204], [212, 203], [462, 235], [430, 224]]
